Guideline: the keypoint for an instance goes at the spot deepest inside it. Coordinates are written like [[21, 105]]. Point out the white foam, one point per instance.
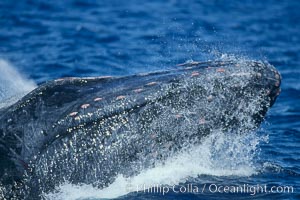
[[219, 154], [13, 85]]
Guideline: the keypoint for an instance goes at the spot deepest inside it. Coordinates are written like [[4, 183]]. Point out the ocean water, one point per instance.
[[41, 41]]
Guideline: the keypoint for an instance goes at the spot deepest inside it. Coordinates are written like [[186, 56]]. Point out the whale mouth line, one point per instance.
[[272, 79]]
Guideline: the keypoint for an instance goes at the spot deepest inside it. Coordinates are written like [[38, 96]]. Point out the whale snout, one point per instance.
[[275, 86], [270, 79]]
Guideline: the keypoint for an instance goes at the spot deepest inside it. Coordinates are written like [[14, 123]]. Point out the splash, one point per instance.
[[13, 85], [218, 155]]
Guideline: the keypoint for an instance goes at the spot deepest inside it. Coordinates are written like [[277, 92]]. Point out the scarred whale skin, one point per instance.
[[88, 130]]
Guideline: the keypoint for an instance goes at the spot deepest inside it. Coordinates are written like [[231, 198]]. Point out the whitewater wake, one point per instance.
[[218, 155]]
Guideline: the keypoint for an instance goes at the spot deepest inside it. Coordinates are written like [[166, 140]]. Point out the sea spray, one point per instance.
[[220, 154], [13, 85]]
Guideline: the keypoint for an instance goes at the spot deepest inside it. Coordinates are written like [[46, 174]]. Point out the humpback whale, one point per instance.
[[88, 130]]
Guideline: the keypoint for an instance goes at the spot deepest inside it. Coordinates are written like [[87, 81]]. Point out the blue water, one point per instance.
[[46, 40]]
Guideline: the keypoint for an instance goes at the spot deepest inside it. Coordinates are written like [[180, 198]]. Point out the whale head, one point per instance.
[[68, 125]]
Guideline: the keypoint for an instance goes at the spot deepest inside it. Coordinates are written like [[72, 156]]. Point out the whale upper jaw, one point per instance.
[[188, 101]]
